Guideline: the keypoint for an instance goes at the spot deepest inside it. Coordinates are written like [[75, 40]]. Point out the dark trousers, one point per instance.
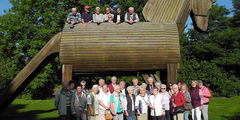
[[68, 116], [167, 115], [158, 118]]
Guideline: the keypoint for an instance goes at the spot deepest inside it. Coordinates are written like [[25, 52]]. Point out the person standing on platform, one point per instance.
[[74, 17], [63, 102], [98, 17], [131, 17], [108, 17], [79, 104], [113, 84], [118, 16], [86, 16]]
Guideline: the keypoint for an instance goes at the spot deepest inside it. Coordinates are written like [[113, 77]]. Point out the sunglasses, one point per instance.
[[163, 88]]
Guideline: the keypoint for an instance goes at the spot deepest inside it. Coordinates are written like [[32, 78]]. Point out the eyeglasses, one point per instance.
[[163, 88]]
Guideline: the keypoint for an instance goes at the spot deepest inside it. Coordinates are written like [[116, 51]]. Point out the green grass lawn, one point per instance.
[[219, 109]]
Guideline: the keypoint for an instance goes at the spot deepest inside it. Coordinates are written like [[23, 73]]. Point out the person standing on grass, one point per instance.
[[72, 86], [104, 102], [177, 104], [84, 89], [123, 89], [79, 104], [156, 105], [117, 103], [141, 104], [170, 91], [63, 102], [188, 104], [130, 104], [135, 86], [101, 82], [195, 93], [113, 84], [150, 85], [93, 105], [158, 86], [166, 101], [206, 95]]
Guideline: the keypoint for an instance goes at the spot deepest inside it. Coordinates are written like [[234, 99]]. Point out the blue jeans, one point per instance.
[[167, 115], [186, 114], [131, 115]]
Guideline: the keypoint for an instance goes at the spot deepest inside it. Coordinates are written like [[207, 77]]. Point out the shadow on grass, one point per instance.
[[12, 113], [235, 117]]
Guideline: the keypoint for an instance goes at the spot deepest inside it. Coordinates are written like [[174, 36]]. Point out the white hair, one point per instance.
[[114, 77], [122, 82], [164, 86], [74, 9], [194, 81], [134, 79], [131, 8], [97, 8], [175, 86], [117, 86], [158, 84], [94, 86], [129, 87], [150, 78]]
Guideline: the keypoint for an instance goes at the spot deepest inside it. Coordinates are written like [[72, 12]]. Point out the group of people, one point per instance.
[[86, 17], [152, 101]]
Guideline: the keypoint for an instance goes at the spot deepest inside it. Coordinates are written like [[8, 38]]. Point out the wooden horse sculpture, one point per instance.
[[144, 46]]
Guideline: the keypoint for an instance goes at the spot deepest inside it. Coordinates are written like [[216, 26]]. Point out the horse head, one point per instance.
[[200, 11]]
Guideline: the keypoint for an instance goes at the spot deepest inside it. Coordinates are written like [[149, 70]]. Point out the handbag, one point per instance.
[[109, 116], [179, 109], [188, 106]]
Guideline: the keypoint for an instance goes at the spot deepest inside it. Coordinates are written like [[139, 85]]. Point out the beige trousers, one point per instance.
[[179, 116], [142, 116]]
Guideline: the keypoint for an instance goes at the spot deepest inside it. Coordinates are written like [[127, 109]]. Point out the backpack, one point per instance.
[[210, 92]]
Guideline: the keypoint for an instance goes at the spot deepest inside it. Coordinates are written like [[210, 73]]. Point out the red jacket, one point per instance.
[[178, 101], [111, 88]]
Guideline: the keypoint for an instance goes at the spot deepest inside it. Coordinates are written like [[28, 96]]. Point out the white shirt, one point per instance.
[[166, 100], [105, 99], [157, 103], [100, 89], [118, 17], [144, 103], [123, 92], [96, 105]]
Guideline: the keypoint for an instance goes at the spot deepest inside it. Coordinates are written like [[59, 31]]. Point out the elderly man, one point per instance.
[[79, 104], [98, 17], [63, 102], [135, 86], [74, 17], [86, 16], [131, 17], [93, 105], [113, 84], [101, 82], [150, 85], [123, 89], [117, 103], [108, 17]]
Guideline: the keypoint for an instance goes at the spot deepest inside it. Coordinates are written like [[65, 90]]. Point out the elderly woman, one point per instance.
[[141, 104], [156, 105], [130, 104], [188, 104], [177, 103], [166, 101], [104, 102], [158, 86], [117, 103], [196, 98], [92, 101]]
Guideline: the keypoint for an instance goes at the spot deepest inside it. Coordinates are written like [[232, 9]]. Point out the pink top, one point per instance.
[[206, 95]]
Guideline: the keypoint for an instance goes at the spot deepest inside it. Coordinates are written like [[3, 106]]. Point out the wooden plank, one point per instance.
[[67, 73], [172, 72]]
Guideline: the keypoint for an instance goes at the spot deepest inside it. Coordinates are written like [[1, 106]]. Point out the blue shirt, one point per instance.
[[87, 16]]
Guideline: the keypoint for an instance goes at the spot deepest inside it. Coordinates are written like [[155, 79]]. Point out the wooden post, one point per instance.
[[66, 73], [172, 72], [153, 75]]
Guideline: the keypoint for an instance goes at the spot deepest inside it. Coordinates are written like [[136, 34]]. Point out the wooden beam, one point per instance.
[[172, 72], [66, 73]]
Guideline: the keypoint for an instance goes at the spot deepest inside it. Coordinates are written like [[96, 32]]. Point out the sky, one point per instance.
[[5, 5]]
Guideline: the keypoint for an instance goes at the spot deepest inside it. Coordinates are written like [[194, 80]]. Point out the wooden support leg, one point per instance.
[[153, 75], [172, 72], [66, 73]]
